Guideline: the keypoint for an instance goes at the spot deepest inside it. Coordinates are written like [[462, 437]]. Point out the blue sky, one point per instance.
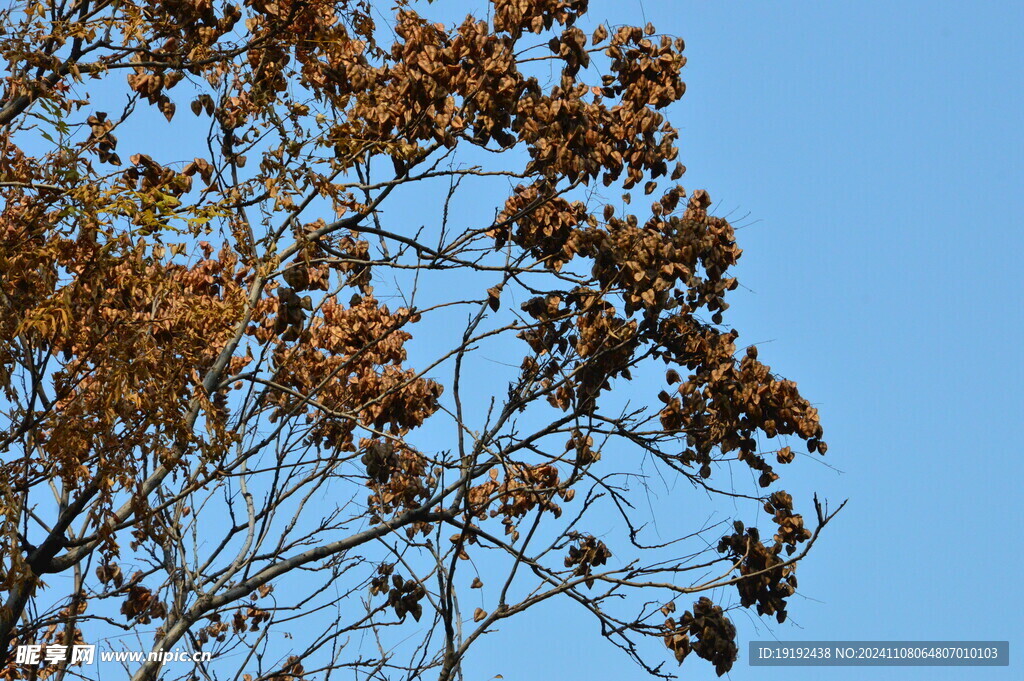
[[876, 149], [871, 154]]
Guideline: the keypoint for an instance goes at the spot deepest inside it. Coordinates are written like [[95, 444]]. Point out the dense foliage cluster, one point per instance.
[[216, 423]]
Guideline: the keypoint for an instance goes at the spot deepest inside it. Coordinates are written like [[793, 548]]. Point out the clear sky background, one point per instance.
[[871, 153], [877, 150]]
